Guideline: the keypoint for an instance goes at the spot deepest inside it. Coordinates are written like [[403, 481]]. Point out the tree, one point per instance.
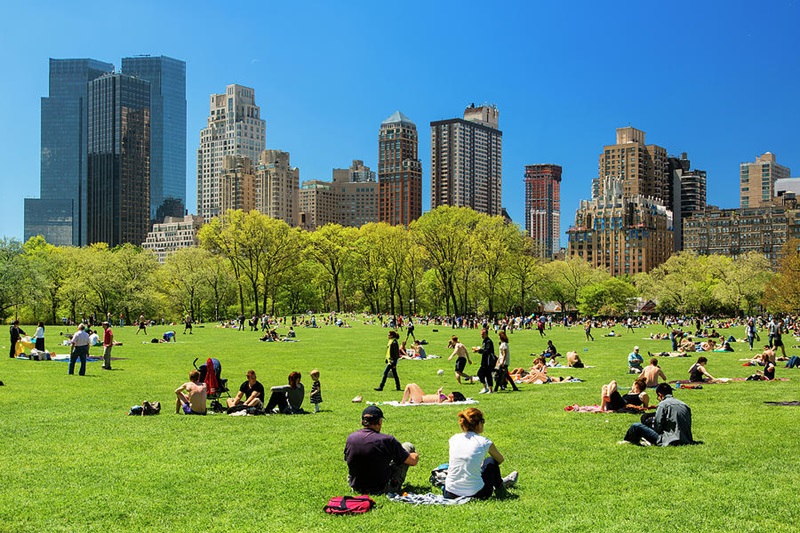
[[610, 297], [495, 243], [526, 274], [13, 271], [782, 294], [742, 282], [443, 233], [566, 279], [47, 273], [331, 246], [182, 279]]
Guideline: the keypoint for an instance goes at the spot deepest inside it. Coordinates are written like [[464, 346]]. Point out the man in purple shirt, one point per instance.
[[377, 463]]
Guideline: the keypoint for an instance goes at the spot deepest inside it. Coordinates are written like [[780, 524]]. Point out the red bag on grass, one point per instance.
[[349, 505]]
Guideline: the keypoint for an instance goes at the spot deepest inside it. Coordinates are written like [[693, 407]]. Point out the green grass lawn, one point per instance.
[[72, 461]]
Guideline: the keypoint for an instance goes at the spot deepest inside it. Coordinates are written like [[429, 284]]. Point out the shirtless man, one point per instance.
[[194, 401], [652, 372], [460, 351]]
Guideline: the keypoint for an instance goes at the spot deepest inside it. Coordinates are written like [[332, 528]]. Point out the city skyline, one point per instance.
[[689, 89]]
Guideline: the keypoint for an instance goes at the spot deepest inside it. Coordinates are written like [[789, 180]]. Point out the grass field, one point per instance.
[[72, 461]]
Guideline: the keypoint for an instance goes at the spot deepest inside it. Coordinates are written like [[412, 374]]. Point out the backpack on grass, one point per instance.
[[349, 505]]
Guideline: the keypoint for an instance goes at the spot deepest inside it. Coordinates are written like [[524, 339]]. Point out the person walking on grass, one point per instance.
[[462, 358], [80, 349], [488, 361], [392, 356]]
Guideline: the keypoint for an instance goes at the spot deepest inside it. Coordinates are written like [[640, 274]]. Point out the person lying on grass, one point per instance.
[[415, 394], [637, 399], [537, 373]]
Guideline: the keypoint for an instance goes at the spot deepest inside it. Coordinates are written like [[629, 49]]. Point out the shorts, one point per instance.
[[777, 341], [461, 364]]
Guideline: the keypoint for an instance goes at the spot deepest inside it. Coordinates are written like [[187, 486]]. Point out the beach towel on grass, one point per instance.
[[395, 403], [426, 499]]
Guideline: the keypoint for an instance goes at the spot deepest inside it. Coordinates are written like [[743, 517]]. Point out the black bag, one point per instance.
[[149, 408]]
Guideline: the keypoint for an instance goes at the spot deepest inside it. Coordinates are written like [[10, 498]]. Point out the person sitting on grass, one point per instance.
[[636, 400], [470, 473], [698, 372], [288, 399], [376, 462], [671, 424], [251, 393], [635, 361], [574, 360], [415, 394], [536, 374], [193, 402], [652, 372]]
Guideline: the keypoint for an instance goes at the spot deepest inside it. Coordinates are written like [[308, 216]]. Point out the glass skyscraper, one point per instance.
[[167, 77], [57, 214], [118, 145]]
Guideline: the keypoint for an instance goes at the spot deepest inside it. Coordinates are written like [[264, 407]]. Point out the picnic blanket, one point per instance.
[[395, 403], [559, 365], [688, 383], [64, 357], [596, 409], [426, 499]]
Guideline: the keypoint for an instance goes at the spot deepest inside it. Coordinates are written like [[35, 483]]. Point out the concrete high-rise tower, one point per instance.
[[277, 185], [543, 207], [57, 214], [234, 128], [467, 161], [757, 180], [643, 168], [399, 171], [118, 147], [167, 77]]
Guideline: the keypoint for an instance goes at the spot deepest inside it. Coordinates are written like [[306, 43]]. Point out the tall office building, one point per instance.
[[235, 128], [757, 180], [358, 194], [543, 207], [167, 77], [277, 184], [642, 167], [174, 233], [399, 171], [118, 147], [467, 161], [688, 194], [57, 214]]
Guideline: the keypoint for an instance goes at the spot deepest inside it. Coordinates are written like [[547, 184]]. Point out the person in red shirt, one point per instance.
[[108, 342]]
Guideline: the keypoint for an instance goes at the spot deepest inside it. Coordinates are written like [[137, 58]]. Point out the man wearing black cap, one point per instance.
[[376, 462]]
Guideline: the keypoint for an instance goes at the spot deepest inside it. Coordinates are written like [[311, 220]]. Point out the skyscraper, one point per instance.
[[688, 193], [57, 214], [543, 207], [277, 184], [467, 161], [167, 77], [399, 171], [358, 194], [642, 167], [234, 127], [118, 148], [757, 180]]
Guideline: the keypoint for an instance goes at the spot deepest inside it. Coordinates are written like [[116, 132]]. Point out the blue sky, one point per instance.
[[718, 80]]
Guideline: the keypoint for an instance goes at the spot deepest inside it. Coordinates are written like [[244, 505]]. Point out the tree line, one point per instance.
[[451, 261]]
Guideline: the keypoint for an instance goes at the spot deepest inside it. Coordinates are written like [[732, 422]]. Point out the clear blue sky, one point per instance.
[[718, 80]]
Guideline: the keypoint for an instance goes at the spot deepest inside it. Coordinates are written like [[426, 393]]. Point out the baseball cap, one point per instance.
[[372, 411]]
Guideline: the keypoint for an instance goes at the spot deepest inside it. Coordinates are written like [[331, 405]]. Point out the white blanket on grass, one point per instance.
[[394, 403]]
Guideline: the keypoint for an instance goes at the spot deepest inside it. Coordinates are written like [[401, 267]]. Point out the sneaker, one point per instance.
[[483, 391], [378, 389], [510, 480], [624, 442], [645, 442]]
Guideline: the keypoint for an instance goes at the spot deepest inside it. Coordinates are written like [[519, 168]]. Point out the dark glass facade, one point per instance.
[[118, 145], [167, 77], [63, 153]]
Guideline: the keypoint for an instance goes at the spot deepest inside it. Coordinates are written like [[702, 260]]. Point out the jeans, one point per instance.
[[793, 362], [78, 352], [492, 480], [393, 369], [639, 431]]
